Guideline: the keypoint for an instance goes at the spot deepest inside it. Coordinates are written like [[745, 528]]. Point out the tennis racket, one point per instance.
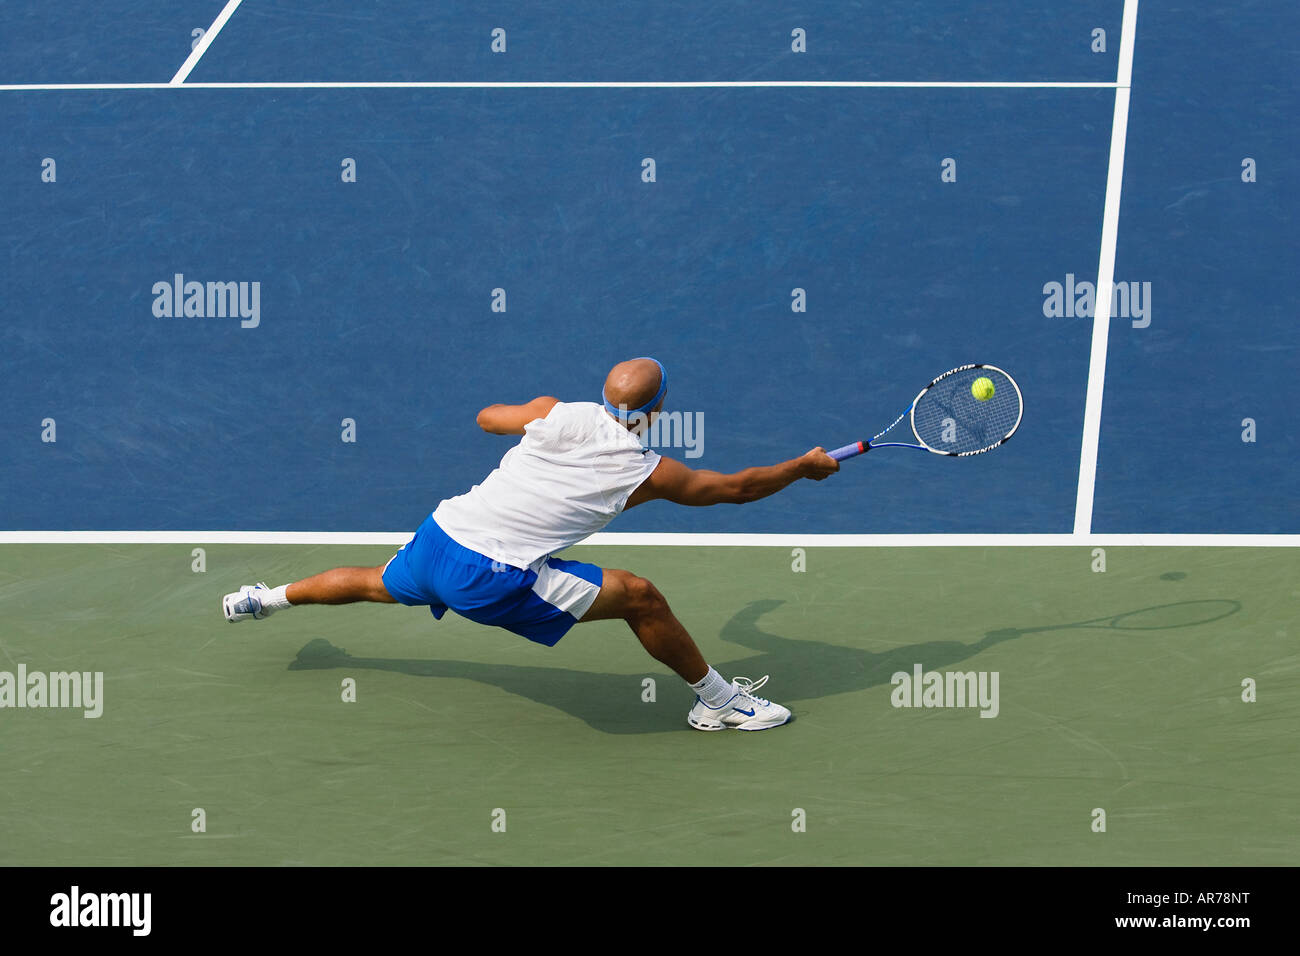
[[948, 418]]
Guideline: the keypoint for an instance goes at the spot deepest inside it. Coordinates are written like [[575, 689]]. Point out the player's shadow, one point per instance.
[[607, 702], [801, 669]]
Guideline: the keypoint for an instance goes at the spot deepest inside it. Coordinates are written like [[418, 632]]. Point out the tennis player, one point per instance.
[[487, 554]]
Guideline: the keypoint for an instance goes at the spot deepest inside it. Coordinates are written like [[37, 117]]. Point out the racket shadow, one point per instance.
[[808, 669]]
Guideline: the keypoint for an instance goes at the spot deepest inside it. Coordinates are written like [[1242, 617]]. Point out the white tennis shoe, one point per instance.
[[246, 603], [744, 711]]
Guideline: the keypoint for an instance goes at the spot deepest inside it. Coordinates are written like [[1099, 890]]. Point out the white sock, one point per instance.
[[275, 599], [713, 690]]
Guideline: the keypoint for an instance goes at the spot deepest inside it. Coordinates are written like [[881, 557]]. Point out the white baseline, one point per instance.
[[687, 539]]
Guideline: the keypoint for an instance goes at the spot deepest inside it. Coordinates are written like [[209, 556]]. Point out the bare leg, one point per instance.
[[625, 596], [341, 586]]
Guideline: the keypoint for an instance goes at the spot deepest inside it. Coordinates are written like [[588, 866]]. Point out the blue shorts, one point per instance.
[[540, 603]]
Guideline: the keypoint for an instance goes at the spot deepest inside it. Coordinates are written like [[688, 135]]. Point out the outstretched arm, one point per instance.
[[511, 419], [673, 481]]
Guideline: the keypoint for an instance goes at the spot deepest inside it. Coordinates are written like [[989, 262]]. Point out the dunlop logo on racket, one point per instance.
[[966, 411]]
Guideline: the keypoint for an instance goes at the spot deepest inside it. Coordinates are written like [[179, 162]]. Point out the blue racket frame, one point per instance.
[[856, 448]]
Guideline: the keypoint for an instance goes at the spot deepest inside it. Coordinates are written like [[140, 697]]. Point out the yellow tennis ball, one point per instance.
[[982, 389]]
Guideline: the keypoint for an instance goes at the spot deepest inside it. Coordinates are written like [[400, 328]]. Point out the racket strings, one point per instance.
[[949, 418]]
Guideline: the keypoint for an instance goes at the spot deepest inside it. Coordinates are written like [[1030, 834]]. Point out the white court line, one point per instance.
[[206, 41], [650, 539], [530, 85], [1105, 278]]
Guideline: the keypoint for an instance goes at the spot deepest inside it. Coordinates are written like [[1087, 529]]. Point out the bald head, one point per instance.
[[633, 383]]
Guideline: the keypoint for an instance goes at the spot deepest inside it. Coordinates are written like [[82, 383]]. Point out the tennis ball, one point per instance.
[[982, 389]]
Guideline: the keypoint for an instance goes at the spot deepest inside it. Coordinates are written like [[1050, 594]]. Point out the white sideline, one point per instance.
[[652, 539], [178, 83], [1105, 278], [206, 41]]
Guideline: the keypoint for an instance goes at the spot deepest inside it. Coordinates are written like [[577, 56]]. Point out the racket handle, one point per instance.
[[848, 451]]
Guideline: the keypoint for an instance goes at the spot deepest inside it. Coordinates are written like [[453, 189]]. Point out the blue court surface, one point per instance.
[[380, 300]]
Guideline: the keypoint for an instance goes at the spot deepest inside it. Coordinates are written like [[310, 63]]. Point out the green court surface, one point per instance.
[[1141, 716]]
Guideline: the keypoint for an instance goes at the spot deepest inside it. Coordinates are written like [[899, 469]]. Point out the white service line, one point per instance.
[[652, 539], [1105, 278], [206, 41], [178, 83]]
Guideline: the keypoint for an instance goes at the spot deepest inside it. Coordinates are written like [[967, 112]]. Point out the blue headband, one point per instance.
[[622, 414]]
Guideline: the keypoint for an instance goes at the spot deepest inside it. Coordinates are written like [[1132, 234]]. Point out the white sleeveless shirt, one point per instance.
[[569, 476]]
